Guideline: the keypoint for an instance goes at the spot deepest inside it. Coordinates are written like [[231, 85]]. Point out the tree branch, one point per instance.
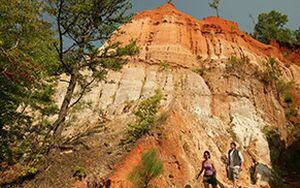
[[82, 93]]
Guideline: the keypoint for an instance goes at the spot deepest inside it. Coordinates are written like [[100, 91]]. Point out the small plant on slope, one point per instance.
[[272, 72], [237, 65], [149, 168], [146, 117], [79, 172]]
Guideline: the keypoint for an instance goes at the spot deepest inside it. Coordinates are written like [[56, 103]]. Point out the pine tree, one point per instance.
[[145, 172], [82, 27]]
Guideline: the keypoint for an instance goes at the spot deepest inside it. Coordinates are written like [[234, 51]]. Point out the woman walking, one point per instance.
[[209, 177]]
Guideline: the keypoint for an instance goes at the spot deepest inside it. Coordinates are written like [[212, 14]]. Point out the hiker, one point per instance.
[[209, 177], [235, 160]]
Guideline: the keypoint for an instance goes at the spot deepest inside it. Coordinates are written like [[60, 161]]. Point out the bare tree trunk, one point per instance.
[[217, 10], [58, 127]]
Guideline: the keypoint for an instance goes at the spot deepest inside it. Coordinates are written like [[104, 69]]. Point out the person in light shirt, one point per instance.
[[235, 160]]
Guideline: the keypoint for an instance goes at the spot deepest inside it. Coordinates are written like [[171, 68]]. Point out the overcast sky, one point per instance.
[[236, 10]]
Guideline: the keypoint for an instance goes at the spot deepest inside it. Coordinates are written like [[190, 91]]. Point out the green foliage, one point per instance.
[[82, 27], [271, 73], [149, 169], [146, 117], [288, 98], [29, 173], [34, 53], [199, 71], [270, 132], [163, 65], [27, 60], [79, 172], [297, 37], [287, 92], [236, 65], [271, 26], [215, 5], [284, 87]]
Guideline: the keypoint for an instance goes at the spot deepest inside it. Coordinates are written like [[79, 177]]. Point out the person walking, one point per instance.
[[209, 177], [235, 160]]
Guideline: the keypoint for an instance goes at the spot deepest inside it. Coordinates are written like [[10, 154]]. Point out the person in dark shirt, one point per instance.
[[235, 160]]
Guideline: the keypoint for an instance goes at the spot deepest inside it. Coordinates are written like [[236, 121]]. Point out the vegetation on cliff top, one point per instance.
[[271, 26]]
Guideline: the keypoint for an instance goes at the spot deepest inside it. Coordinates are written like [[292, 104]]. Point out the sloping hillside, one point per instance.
[[210, 75]]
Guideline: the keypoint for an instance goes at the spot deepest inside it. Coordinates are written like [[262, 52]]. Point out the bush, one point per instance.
[[29, 173], [270, 132], [271, 73], [149, 168], [80, 172], [237, 65], [199, 71], [163, 65], [288, 98], [146, 115], [288, 92]]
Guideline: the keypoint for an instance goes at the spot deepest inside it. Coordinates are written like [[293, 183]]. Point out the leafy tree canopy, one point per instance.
[[271, 26], [82, 27], [27, 57]]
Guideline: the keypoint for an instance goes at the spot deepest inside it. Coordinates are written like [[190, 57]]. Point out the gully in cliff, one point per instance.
[[235, 160], [209, 177]]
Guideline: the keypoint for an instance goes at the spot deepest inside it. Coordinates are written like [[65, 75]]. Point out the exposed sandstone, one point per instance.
[[205, 112]]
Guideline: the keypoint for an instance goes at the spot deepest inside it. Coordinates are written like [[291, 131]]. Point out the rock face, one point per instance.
[[166, 34], [205, 111]]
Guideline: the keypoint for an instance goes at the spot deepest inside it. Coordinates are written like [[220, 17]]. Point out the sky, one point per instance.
[[236, 10]]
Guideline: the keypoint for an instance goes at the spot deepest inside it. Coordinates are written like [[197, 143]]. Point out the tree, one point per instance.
[[149, 169], [297, 37], [215, 5], [27, 59], [82, 27], [270, 26]]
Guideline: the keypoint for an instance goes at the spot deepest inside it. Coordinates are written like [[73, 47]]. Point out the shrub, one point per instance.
[[80, 172], [272, 72], [288, 94], [270, 132], [163, 65], [146, 117], [237, 65], [149, 168], [29, 173], [288, 98], [284, 87], [199, 71]]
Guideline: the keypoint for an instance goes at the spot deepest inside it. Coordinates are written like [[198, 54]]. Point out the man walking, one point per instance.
[[235, 160]]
